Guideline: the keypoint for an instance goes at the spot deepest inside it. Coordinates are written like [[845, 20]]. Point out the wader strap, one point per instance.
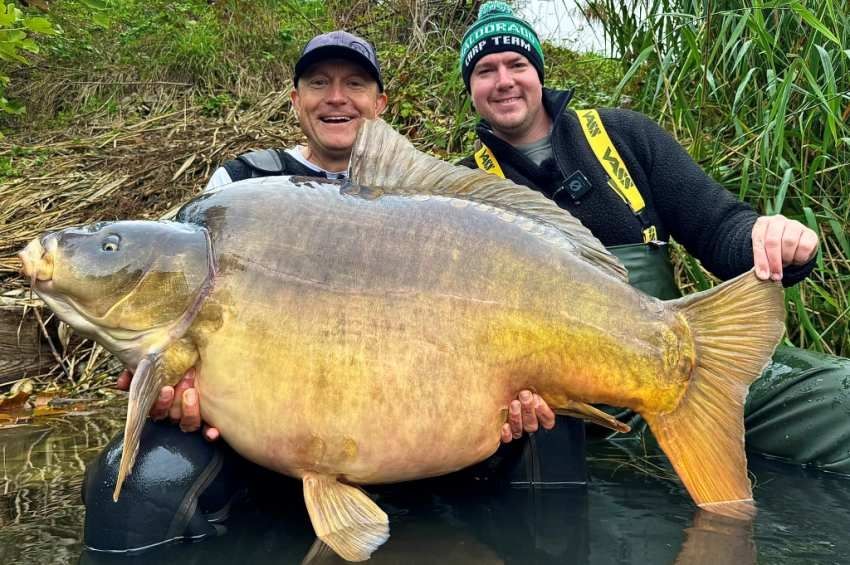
[[487, 162], [619, 178]]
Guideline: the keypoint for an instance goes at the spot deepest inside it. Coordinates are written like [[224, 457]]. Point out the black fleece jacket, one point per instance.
[[681, 200]]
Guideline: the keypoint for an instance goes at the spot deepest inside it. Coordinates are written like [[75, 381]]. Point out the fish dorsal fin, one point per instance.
[[383, 158]]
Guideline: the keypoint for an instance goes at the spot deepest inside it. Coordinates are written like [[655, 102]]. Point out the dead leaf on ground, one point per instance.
[[16, 398]]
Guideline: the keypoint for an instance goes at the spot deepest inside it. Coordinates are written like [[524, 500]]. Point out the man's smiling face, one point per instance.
[[332, 99], [506, 91]]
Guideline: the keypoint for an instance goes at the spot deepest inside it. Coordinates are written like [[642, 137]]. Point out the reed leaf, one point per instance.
[[760, 96]]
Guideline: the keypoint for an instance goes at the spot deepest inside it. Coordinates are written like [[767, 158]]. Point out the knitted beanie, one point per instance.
[[497, 30]]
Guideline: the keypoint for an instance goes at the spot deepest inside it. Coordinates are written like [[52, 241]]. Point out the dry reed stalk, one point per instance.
[[120, 170]]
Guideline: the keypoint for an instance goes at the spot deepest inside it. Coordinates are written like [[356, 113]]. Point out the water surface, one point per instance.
[[629, 513]]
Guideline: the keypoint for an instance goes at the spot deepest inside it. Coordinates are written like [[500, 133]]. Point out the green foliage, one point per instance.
[[18, 33], [592, 77], [231, 50], [215, 104], [18, 160], [427, 96], [221, 45], [760, 95]]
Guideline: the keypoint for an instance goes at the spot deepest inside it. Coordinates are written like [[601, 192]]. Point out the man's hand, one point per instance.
[[526, 414], [187, 412], [779, 242]]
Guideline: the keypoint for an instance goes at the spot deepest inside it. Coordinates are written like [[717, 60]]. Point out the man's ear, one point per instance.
[[381, 103], [293, 97]]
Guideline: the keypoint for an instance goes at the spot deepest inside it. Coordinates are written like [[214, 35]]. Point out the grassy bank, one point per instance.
[[134, 103]]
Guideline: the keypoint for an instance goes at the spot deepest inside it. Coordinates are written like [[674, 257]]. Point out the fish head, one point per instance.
[[114, 277]]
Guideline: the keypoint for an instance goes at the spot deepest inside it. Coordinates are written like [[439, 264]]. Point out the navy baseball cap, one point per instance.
[[343, 45]]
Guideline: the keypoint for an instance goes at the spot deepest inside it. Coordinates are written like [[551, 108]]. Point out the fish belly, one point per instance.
[[353, 393]]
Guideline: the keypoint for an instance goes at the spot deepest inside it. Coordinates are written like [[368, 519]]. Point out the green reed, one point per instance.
[[759, 93]]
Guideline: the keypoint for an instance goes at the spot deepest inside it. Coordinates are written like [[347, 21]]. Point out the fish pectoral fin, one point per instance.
[[592, 414], [344, 517], [148, 378]]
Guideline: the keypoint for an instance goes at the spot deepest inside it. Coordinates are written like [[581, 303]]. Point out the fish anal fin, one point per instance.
[[148, 378], [735, 327], [344, 517], [592, 414]]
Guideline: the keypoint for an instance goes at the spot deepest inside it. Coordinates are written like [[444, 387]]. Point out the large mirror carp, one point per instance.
[[334, 325]]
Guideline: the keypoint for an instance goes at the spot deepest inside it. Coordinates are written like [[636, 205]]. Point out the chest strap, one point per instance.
[[619, 179]]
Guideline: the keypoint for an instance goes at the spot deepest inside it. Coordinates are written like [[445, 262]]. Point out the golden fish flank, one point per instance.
[[311, 306]]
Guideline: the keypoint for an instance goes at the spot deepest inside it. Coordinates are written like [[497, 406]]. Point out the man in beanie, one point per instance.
[[529, 135]]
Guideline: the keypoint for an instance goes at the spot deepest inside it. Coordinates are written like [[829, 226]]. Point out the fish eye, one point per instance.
[[110, 243]]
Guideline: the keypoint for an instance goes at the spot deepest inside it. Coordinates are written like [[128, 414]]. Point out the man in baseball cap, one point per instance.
[[339, 45], [337, 84]]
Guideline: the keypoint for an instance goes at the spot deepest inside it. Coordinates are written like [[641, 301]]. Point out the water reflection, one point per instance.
[[624, 516], [41, 470], [713, 539]]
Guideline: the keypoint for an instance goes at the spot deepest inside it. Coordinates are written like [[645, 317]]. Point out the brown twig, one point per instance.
[[53, 350]]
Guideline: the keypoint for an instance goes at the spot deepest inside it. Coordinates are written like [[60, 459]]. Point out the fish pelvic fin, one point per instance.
[[148, 378], [735, 326], [344, 517]]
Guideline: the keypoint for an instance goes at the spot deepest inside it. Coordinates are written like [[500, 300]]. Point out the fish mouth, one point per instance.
[[37, 259]]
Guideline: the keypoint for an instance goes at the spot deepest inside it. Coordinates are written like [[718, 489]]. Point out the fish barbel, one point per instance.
[[334, 325]]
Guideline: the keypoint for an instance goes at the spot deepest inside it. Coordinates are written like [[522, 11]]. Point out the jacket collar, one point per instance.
[[554, 102]]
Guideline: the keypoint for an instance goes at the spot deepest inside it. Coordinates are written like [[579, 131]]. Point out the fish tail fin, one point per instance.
[[736, 326]]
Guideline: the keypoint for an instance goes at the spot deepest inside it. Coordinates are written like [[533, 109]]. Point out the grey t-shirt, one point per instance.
[[537, 151]]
